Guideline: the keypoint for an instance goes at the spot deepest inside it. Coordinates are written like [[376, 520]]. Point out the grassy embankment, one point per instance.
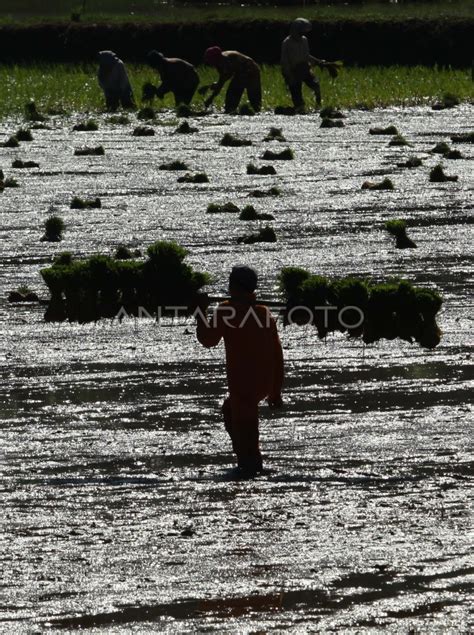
[[75, 88], [117, 11]]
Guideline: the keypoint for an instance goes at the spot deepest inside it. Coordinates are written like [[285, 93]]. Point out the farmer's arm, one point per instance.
[[209, 333], [274, 398], [224, 75]]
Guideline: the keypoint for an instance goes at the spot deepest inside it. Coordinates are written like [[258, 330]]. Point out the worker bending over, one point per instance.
[[177, 76], [113, 80]]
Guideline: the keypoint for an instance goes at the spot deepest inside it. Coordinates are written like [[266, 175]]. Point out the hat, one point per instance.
[[300, 26], [244, 277], [212, 55]]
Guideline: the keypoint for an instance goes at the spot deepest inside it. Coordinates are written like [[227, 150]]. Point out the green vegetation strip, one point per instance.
[[395, 309], [74, 88]]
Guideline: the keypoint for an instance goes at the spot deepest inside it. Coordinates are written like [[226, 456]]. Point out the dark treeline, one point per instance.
[[428, 42]]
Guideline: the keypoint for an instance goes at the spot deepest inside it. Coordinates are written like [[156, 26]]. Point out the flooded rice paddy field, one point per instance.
[[119, 509]]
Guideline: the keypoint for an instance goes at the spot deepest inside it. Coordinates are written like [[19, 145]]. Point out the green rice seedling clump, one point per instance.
[[200, 177], [440, 148], [86, 126], [449, 100], [19, 164], [184, 111], [250, 213], [412, 162], [386, 184], [82, 203], [389, 130], [223, 208], [275, 134], [231, 141], [174, 166], [123, 253], [273, 191], [264, 235], [23, 294], [10, 182], [285, 155], [331, 123], [146, 114], [53, 229], [398, 141], [143, 131], [97, 151], [119, 120], [32, 114], [329, 112], [437, 175], [185, 128], [465, 137], [398, 229], [11, 142], [263, 170], [24, 134], [453, 154], [64, 258]]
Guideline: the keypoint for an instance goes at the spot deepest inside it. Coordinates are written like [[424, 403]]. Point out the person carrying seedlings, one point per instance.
[[254, 361], [177, 76], [243, 73], [113, 80], [296, 62]]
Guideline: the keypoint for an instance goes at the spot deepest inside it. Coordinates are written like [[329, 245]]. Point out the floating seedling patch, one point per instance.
[[232, 141], [447, 101], [285, 155], [361, 309], [97, 151], [398, 229], [222, 208], [9, 182], [146, 114], [11, 142], [264, 170], [82, 203], [412, 162], [53, 229], [105, 287], [273, 191], [386, 184], [331, 113], [389, 130], [437, 175], [440, 148], [184, 111], [19, 164], [264, 235], [453, 154], [119, 120], [398, 141], [32, 114], [173, 165], [24, 134], [331, 123], [250, 213], [23, 294], [143, 131], [124, 253], [200, 177], [185, 128], [86, 126], [275, 134], [465, 137]]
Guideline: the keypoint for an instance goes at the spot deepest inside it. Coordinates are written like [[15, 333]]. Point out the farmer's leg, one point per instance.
[[254, 93], [226, 411], [234, 94], [245, 434], [296, 93], [312, 82], [112, 99]]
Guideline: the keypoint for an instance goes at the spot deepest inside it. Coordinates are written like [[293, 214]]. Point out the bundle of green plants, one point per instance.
[[231, 141], [246, 110], [331, 123], [200, 177], [32, 114], [437, 175], [24, 134], [100, 286], [398, 229], [173, 165], [440, 148], [86, 126], [263, 170], [83, 203], [398, 141], [273, 191], [8, 182], [53, 229], [359, 308], [449, 100], [185, 128], [329, 112], [23, 294], [19, 164], [464, 137], [285, 155], [143, 131], [385, 184], [11, 142], [412, 162], [123, 253], [389, 130], [285, 110], [184, 111], [264, 235], [39, 126], [222, 208], [120, 120], [275, 134], [250, 213], [145, 114], [97, 151]]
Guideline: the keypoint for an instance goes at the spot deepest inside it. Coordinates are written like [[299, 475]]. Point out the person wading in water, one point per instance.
[[254, 361]]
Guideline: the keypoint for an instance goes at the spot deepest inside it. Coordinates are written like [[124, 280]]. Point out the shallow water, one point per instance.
[[119, 508]]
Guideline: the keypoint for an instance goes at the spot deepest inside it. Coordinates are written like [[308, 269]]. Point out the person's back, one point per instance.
[[177, 76], [113, 80]]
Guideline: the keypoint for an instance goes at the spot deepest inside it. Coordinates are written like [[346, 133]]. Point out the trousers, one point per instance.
[[303, 75], [241, 422], [236, 89]]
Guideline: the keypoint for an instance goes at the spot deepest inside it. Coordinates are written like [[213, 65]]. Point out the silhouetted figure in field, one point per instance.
[[177, 76], [113, 80]]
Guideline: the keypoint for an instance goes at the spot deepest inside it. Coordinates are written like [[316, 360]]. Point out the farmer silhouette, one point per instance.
[[254, 361], [177, 76], [113, 80]]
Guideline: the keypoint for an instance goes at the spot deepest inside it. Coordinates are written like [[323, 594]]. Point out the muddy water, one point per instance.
[[120, 512]]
